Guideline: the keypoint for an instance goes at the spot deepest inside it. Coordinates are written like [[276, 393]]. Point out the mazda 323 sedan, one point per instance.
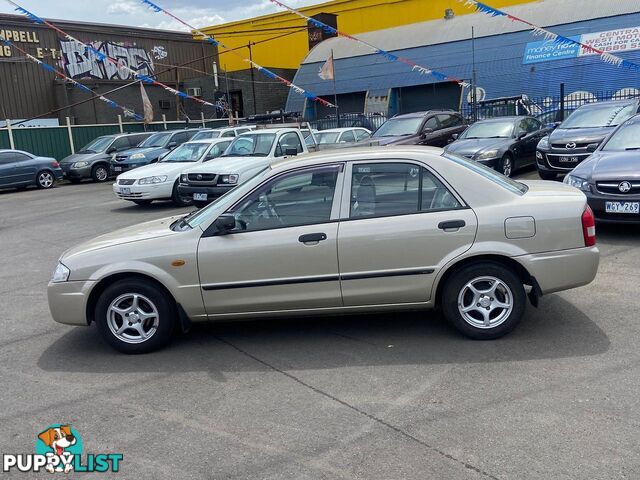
[[344, 231]]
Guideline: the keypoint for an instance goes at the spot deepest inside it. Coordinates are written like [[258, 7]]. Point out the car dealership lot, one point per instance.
[[384, 396]]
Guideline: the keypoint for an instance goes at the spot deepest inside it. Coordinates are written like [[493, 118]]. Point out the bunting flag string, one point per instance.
[[105, 58], [539, 31], [127, 111], [415, 67], [268, 73]]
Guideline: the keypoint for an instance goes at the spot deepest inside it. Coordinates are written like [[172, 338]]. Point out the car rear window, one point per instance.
[[488, 173]]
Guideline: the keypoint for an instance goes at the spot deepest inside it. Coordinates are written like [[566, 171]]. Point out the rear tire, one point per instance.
[[547, 175], [484, 301], [100, 173], [142, 202], [45, 179], [135, 316], [178, 200]]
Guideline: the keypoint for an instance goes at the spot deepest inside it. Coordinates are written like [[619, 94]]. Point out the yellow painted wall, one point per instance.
[[354, 16]]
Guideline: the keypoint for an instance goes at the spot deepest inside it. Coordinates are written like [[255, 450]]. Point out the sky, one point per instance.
[[198, 13]]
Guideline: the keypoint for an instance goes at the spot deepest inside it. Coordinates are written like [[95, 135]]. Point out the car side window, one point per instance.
[[120, 144], [449, 121], [6, 157], [179, 138], [348, 137], [229, 133], [387, 189], [294, 199], [190, 134], [362, 134], [289, 140], [431, 123], [135, 140], [523, 126], [533, 125]]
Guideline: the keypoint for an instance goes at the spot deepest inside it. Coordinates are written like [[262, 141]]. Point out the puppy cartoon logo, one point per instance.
[[64, 443]]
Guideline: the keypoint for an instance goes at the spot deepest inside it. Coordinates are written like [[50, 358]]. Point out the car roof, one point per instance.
[[422, 114], [609, 103], [210, 140], [512, 118]]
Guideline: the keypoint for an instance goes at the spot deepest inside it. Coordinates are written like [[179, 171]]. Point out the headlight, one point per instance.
[[152, 180], [79, 164], [137, 156], [487, 155], [184, 178], [577, 182], [60, 274], [543, 144], [229, 179]]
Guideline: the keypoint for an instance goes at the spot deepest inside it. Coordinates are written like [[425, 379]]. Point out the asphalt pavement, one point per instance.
[[394, 396]]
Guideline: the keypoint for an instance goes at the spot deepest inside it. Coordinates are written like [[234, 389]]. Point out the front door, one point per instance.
[[26, 170], [403, 225], [282, 255]]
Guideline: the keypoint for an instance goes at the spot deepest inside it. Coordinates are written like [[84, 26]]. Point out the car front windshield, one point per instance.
[[251, 145], [156, 140], [327, 137], [627, 137], [99, 144], [489, 130], [206, 135], [187, 152], [488, 173], [399, 127], [594, 116]]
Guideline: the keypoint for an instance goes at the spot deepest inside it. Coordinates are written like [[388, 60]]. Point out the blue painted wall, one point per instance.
[[499, 63]]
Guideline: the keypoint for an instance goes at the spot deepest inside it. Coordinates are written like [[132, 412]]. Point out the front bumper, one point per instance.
[[68, 301], [597, 202], [158, 191], [76, 173], [118, 167], [565, 160], [562, 270], [213, 192], [490, 162]]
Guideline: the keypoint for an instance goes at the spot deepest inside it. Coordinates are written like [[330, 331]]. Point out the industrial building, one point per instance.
[[174, 58], [280, 41], [509, 60]]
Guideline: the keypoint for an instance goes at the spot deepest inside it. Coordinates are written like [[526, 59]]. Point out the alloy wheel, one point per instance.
[[101, 174], [507, 166], [45, 179], [132, 318], [485, 302]]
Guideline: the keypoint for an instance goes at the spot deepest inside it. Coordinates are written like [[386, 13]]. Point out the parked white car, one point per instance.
[[342, 135], [248, 154], [159, 181], [222, 132]]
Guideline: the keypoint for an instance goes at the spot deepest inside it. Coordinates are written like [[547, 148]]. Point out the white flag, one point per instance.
[[146, 104], [326, 71]]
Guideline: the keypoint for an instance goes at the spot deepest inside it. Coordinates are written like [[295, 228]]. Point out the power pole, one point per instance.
[[229, 105], [253, 81], [474, 79]]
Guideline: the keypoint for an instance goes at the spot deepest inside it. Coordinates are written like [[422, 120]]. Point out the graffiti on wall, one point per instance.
[[79, 62]]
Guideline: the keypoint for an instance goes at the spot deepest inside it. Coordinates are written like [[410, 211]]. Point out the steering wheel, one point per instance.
[[242, 149]]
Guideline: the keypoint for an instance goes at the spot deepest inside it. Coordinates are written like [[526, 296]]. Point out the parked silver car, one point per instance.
[[354, 230]]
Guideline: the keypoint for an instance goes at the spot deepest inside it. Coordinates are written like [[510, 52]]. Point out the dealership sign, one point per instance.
[[612, 41]]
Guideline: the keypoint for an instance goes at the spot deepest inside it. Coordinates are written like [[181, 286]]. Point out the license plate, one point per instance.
[[569, 159], [125, 191], [622, 207], [117, 169], [202, 197]]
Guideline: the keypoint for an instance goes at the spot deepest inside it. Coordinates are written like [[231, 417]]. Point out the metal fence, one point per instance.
[[372, 121], [58, 142]]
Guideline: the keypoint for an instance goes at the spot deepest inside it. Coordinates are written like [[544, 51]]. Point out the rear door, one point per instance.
[[400, 224]]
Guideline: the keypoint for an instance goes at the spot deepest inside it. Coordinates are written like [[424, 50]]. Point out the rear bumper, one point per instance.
[[68, 301], [212, 192], [158, 191], [562, 270]]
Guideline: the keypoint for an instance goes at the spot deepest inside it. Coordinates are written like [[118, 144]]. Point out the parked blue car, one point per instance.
[[150, 150], [20, 169]]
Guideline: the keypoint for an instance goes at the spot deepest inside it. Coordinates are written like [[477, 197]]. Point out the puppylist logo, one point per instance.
[[59, 450]]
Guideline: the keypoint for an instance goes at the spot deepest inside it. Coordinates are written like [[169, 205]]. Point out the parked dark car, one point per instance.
[[566, 147], [610, 177], [552, 118], [504, 143], [92, 161], [20, 169], [435, 128], [150, 150]]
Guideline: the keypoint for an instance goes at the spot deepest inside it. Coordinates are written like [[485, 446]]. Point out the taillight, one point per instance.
[[55, 164], [589, 227]]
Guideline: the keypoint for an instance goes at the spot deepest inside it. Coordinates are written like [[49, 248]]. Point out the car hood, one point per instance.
[[148, 152], [579, 135], [604, 165], [136, 233], [160, 168], [394, 140], [230, 165], [84, 157], [471, 146]]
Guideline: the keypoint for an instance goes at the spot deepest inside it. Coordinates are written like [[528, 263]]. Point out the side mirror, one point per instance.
[[171, 145], [112, 150], [521, 135], [163, 155], [592, 147], [455, 136], [225, 223], [291, 152], [427, 131]]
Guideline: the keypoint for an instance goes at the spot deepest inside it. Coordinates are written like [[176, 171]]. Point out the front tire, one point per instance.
[[135, 316], [99, 174], [45, 179], [178, 200], [484, 301], [506, 165]]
